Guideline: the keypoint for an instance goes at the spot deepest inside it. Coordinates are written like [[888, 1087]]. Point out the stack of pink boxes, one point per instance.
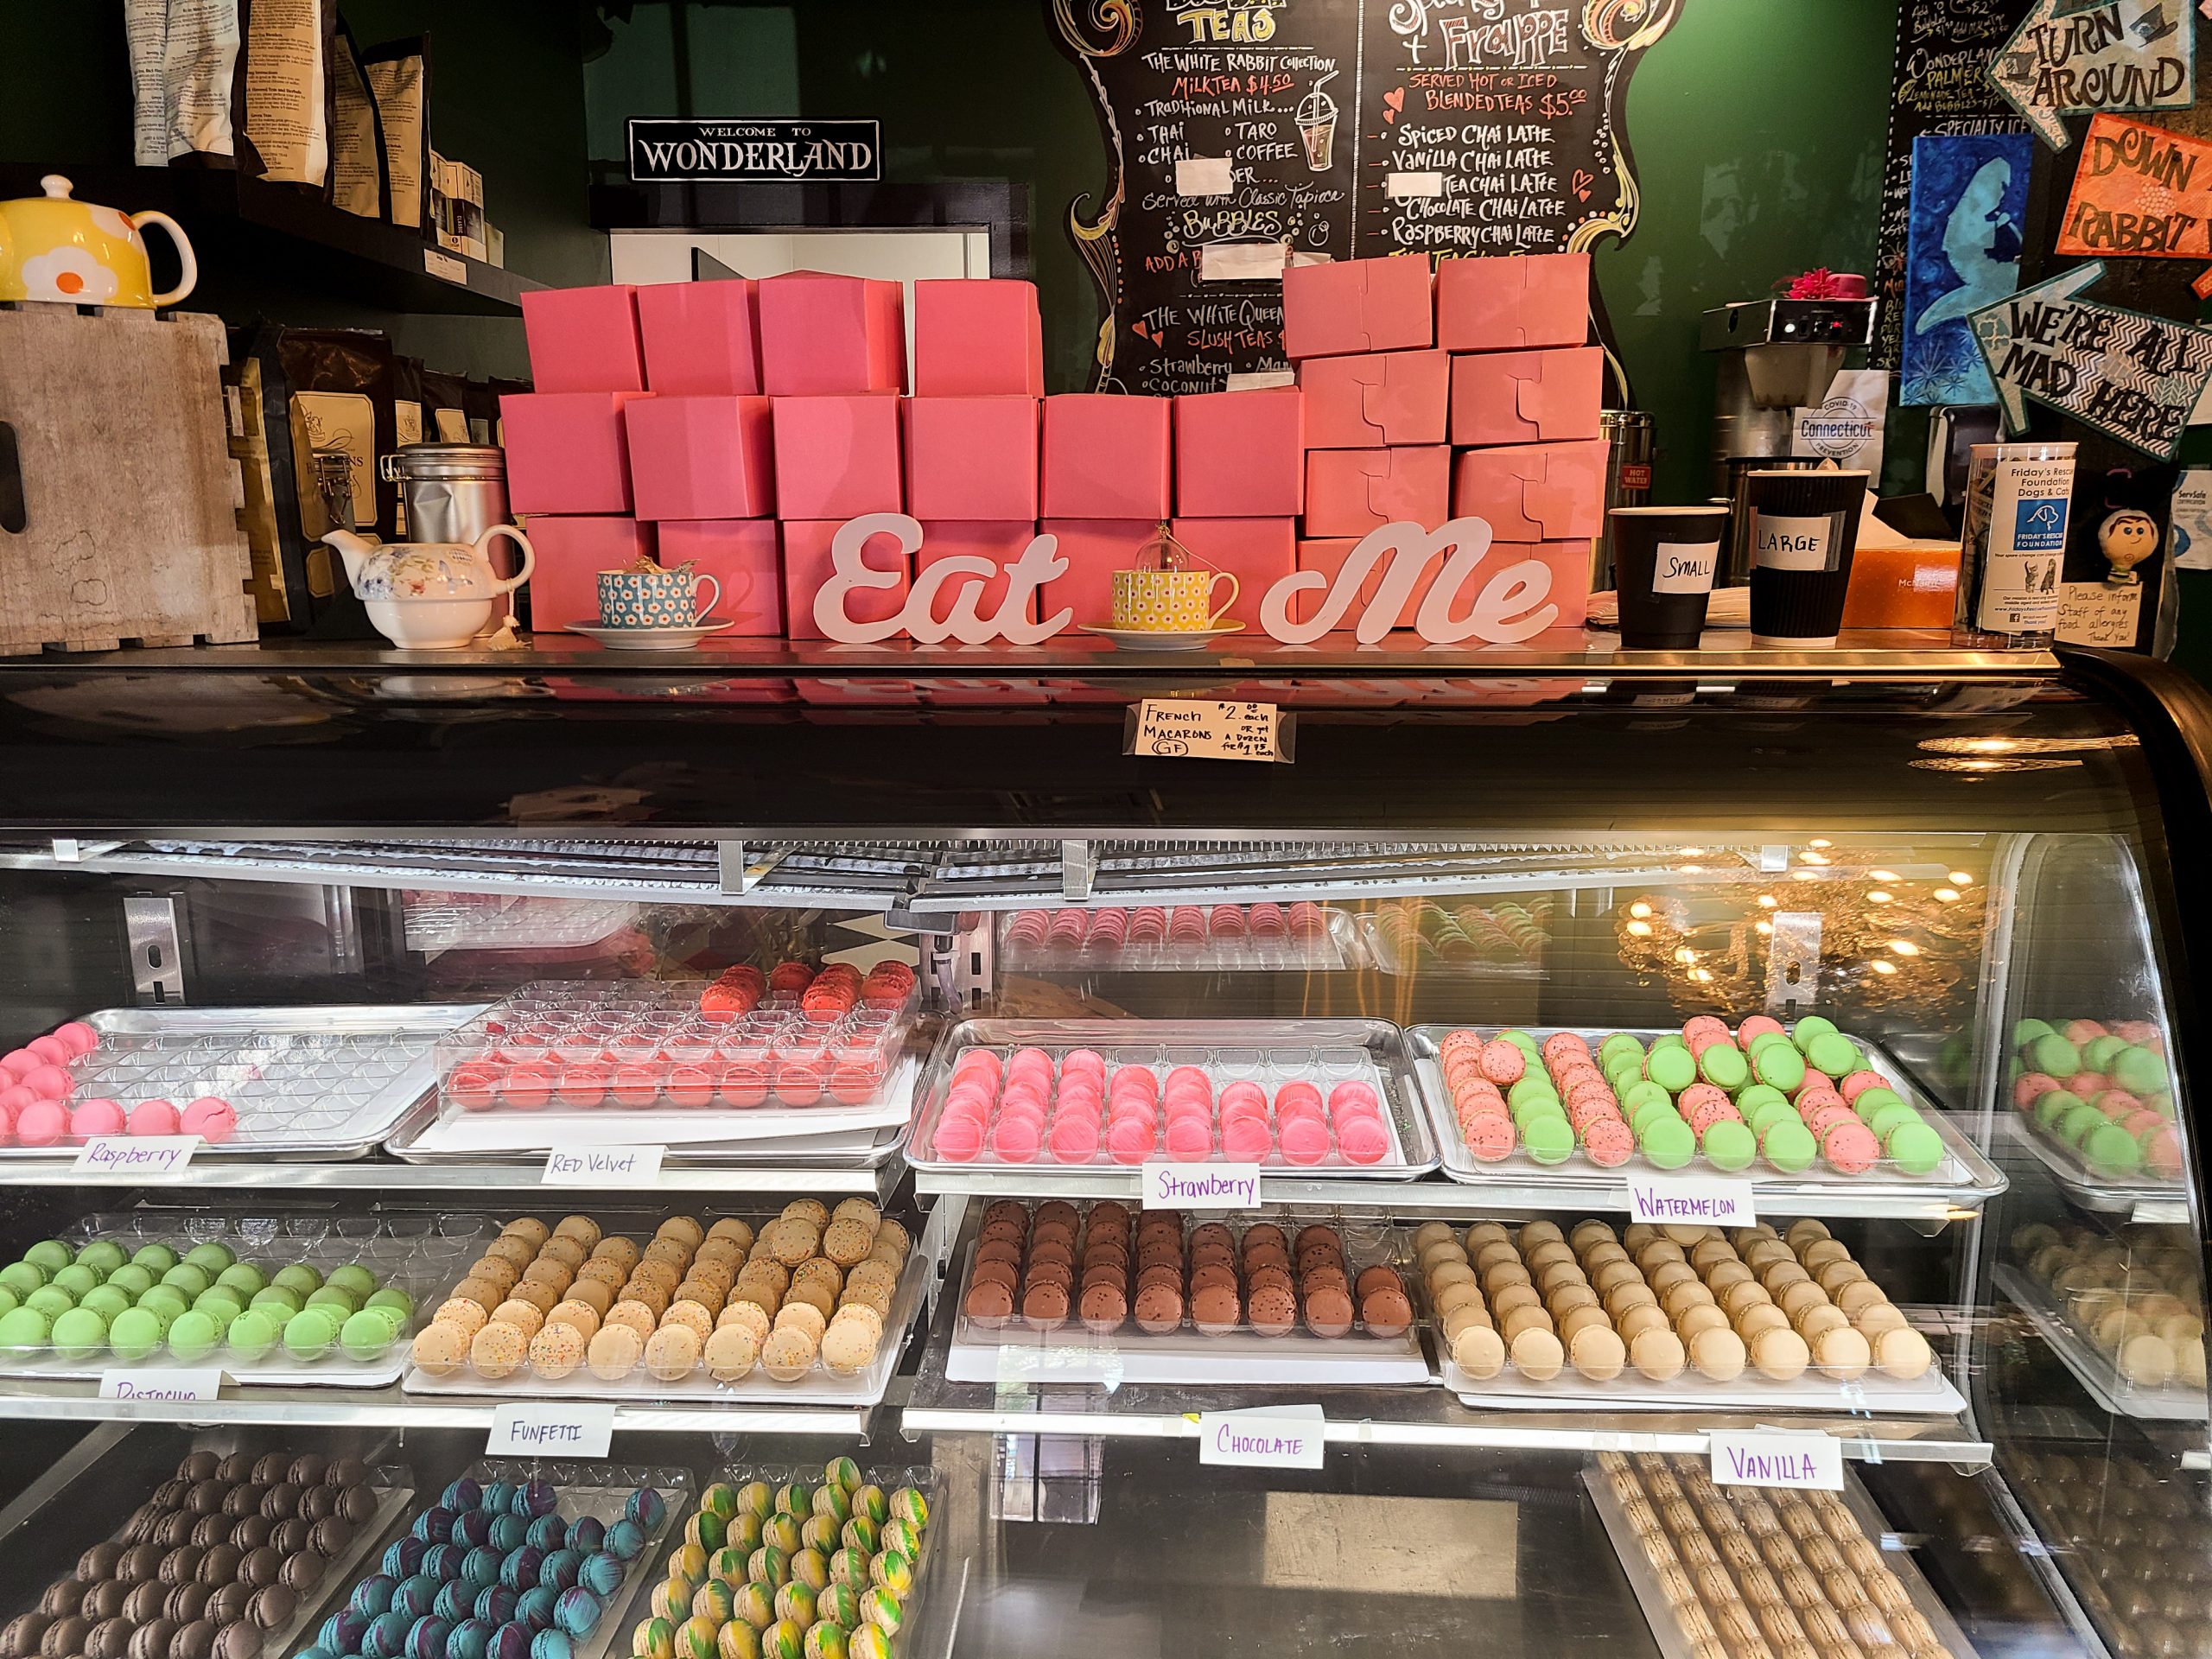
[[1398, 372]]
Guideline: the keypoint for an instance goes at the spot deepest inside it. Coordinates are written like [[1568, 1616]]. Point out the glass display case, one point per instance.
[[1690, 1155]]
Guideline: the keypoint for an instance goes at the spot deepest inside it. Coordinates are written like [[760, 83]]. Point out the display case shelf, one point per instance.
[[2144, 1202], [517, 1178]]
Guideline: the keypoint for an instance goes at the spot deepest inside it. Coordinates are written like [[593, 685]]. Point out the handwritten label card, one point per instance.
[[161, 1385], [602, 1165], [1204, 175], [1242, 262], [550, 1428], [1205, 731], [444, 267], [1690, 1201], [1269, 1437], [1404, 187], [2098, 614], [1201, 1186], [1774, 1457], [136, 1154]]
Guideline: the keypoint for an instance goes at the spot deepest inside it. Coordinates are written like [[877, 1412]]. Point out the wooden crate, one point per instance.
[[129, 498]]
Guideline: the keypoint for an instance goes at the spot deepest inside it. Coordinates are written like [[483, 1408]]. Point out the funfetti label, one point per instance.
[[1271, 1437], [602, 1165], [1684, 567], [136, 1154], [160, 1384], [550, 1428], [1773, 1457], [1690, 1201], [1169, 1185], [1789, 541]]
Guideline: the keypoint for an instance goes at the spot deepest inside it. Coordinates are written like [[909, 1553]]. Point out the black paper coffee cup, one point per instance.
[[1664, 561], [1803, 530]]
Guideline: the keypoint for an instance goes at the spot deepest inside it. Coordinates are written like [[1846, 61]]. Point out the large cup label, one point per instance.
[[1684, 567], [1796, 541]]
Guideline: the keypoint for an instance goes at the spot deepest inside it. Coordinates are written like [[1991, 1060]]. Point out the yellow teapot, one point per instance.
[[74, 253]]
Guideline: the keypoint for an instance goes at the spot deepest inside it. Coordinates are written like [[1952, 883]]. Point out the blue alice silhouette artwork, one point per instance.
[[1962, 253]]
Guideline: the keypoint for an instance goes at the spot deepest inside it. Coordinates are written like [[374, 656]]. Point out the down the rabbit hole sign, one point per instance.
[[1450, 585]]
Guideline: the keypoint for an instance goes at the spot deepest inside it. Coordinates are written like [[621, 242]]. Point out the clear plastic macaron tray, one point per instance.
[[1931, 1393], [1302, 938], [1113, 1350], [310, 1082], [273, 1300], [1304, 1097], [1947, 1165], [2170, 1398]]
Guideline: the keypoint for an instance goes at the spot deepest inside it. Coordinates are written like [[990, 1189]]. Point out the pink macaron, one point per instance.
[[1298, 1098], [1362, 1140], [1190, 1140], [958, 1139], [96, 1117], [1354, 1099], [1503, 1063], [43, 1123], [16, 1062], [1608, 1142], [211, 1118], [154, 1118], [639, 1082], [1015, 1140], [1074, 1138], [50, 1081], [1489, 1137], [1131, 1140], [527, 1088], [1849, 1146], [1247, 1139], [77, 1037], [14, 1097], [1305, 1140], [1859, 1082], [689, 1085], [583, 1084], [1754, 1025], [50, 1049]]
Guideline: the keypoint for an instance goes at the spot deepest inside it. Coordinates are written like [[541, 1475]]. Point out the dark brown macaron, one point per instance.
[[218, 1566], [1216, 1310], [141, 1561], [105, 1600], [239, 1465], [357, 1505], [301, 1572], [63, 1596], [1328, 1311], [271, 1605], [198, 1466], [327, 1537], [315, 1502], [307, 1468], [98, 1562], [227, 1604], [280, 1502], [186, 1603], [1273, 1311], [286, 1536], [348, 1473], [143, 1521], [1103, 1308], [65, 1636], [21, 1635], [248, 1533], [181, 1564], [195, 1641], [1159, 1309], [1044, 1306], [153, 1640], [211, 1529], [207, 1498], [144, 1605], [242, 1500], [268, 1468], [110, 1639], [1385, 1312], [260, 1567], [243, 1640], [989, 1304]]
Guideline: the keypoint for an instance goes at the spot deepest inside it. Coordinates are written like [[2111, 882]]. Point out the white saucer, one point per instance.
[[652, 638], [1162, 638]]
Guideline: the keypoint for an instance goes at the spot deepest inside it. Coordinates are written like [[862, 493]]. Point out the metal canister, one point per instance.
[[451, 492], [1627, 479]]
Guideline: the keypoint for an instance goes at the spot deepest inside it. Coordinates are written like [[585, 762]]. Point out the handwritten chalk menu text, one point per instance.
[[1940, 84], [1348, 128]]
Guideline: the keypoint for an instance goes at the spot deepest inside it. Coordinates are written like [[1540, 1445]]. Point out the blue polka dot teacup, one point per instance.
[[638, 598]]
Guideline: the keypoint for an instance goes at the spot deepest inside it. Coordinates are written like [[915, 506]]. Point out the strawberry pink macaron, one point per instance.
[[1362, 1140], [18, 1061], [1190, 1139], [154, 1118], [77, 1037], [211, 1118], [1074, 1138], [1015, 1140], [1131, 1140], [1298, 1098], [1247, 1139], [1354, 1099], [49, 1082], [96, 1117], [1305, 1140], [958, 1139], [43, 1123], [14, 1097], [50, 1049]]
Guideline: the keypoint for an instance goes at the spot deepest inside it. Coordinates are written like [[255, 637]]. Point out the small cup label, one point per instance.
[[1684, 567]]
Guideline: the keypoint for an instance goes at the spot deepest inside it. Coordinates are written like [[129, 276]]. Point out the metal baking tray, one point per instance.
[[421, 1261], [1338, 949], [839, 1149], [1964, 1178], [319, 1082], [819, 1387], [2092, 1367], [1674, 1644], [1072, 1354], [1269, 1051]]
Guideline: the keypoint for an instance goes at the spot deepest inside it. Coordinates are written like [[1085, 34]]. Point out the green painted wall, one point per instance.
[[1747, 174]]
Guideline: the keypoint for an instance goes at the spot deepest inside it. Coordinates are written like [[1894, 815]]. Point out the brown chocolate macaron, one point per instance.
[[1273, 1311], [1044, 1306], [989, 1304], [1159, 1309], [1103, 1308], [1328, 1311]]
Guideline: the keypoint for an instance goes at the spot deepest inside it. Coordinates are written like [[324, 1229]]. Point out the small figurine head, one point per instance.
[[2127, 538]]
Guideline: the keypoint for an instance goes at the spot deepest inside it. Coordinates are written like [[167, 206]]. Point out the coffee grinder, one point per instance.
[[1776, 355]]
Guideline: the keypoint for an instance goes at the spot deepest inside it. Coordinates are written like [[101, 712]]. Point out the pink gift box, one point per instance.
[[822, 333], [978, 337], [1108, 455], [583, 339], [1375, 398], [1240, 455], [1533, 492], [1095, 549], [1549, 397], [1258, 552], [1512, 303], [700, 337], [972, 458], [806, 567], [1000, 542], [743, 556], [571, 552], [1357, 305], [1567, 563], [700, 458], [565, 451], [1351, 491], [837, 457]]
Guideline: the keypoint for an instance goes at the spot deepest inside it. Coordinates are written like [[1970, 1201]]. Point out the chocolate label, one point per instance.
[[1275, 1437], [1684, 567]]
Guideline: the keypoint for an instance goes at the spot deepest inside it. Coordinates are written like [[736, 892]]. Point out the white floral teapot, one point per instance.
[[431, 595]]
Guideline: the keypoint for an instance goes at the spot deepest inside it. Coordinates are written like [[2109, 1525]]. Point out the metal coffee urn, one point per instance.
[[1627, 433]]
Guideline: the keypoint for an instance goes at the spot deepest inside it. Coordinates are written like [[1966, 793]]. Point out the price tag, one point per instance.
[[1259, 380], [1242, 262], [1774, 1457], [445, 267], [1201, 1186], [1690, 1201], [161, 1385], [1272, 1437], [1205, 731], [1204, 175], [602, 1165], [1401, 186], [2098, 614], [548, 1428], [136, 1154]]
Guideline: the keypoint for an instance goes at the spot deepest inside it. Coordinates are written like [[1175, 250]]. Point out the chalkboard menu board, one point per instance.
[[1940, 84], [1244, 134]]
